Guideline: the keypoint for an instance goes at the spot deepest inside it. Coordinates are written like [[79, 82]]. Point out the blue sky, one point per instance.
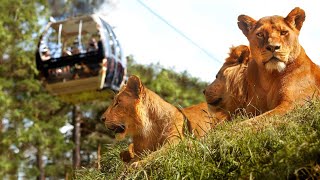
[[211, 24]]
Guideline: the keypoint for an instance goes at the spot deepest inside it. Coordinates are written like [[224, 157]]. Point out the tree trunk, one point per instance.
[[40, 165], [76, 118], [99, 156]]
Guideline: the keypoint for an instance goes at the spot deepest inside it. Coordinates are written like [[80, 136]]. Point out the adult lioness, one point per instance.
[[228, 92], [280, 74], [152, 122]]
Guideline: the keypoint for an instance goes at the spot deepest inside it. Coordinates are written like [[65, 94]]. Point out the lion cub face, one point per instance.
[[122, 115], [228, 85], [273, 40]]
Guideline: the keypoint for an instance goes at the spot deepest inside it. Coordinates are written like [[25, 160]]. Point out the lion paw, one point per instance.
[[128, 155]]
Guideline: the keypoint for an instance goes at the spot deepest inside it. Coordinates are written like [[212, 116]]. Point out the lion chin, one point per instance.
[[275, 65]]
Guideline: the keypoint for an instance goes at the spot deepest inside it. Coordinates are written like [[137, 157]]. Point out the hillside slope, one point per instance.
[[281, 148]]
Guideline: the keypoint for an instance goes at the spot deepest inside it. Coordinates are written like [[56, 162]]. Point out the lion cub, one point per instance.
[[150, 121]]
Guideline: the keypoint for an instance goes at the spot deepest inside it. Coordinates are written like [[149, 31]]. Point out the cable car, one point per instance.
[[80, 55]]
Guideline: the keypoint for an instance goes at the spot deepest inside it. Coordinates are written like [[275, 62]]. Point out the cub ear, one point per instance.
[[245, 23], [134, 85], [296, 18]]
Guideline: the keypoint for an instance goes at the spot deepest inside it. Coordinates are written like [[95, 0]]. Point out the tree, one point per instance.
[[30, 117]]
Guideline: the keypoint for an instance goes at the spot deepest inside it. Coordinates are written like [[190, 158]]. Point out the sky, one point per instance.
[[210, 24]]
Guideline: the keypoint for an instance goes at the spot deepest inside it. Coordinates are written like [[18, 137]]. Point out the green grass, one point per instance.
[[284, 147]]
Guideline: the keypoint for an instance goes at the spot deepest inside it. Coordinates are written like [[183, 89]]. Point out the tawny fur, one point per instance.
[[152, 122], [280, 74], [199, 119], [230, 84]]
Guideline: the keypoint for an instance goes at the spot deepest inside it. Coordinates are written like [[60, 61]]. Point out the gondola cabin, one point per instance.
[[80, 55]]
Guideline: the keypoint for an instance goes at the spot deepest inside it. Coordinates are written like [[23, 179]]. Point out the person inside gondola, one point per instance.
[[75, 48], [67, 52], [45, 54], [93, 45], [110, 72]]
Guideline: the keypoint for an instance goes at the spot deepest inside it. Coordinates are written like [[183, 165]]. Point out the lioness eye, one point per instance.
[[117, 102], [260, 34], [283, 33]]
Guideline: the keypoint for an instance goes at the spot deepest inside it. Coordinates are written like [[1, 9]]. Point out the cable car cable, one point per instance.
[[178, 31]]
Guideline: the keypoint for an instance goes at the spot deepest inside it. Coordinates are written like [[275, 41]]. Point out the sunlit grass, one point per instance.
[[281, 148]]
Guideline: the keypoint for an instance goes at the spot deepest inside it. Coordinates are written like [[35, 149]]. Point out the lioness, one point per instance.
[[280, 73], [150, 121]]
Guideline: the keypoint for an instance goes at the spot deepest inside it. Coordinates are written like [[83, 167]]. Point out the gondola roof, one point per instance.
[[73, 25]]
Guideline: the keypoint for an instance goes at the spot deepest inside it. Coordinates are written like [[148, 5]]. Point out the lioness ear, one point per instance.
[[134, 85], [245, 23], [296, 18]]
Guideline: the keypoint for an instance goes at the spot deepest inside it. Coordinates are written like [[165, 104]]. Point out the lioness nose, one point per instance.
[[102, 118], [273, 48]]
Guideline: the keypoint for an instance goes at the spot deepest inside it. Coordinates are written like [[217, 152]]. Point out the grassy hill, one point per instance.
[[284, 147]]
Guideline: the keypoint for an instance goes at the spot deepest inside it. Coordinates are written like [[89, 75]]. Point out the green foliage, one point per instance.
[[284, 147], [30, 118], [84, 174]]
